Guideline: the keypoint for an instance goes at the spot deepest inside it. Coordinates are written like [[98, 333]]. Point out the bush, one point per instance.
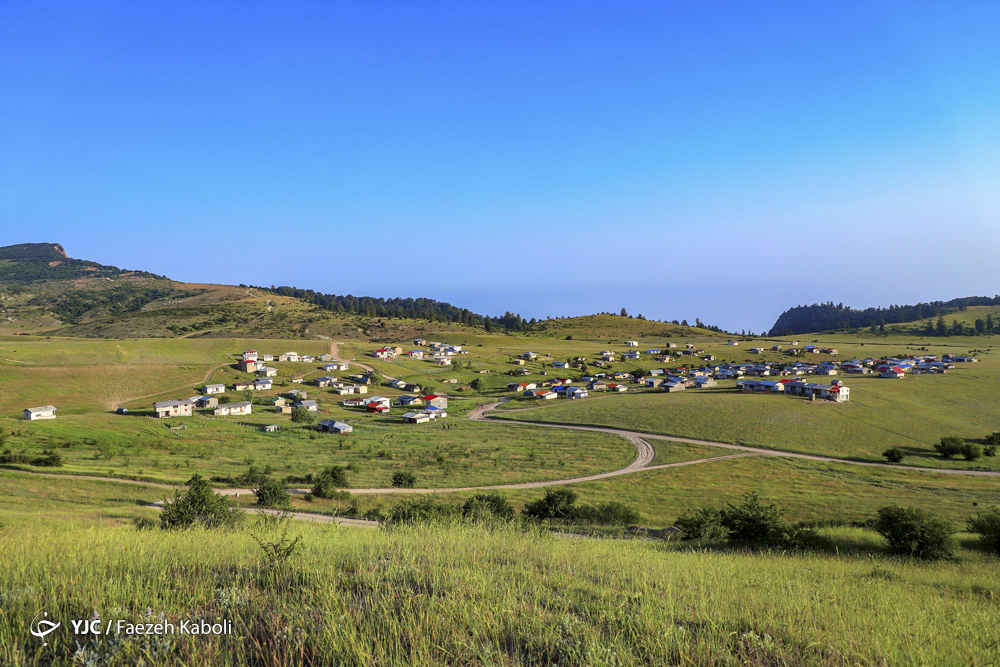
[[915, 533], [987, 526], [302, 416], [309, 497], [990, 450], [424, 509], [329, 480], [893, 455], [611, 513], [704, 523], [272, 493], [557, 504], [752, 523], [404, 480], [199, 505], [949, 446], [970, 451], [993, 440], [488, 505]]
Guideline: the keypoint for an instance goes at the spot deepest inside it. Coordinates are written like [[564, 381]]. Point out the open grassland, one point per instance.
[[449, 454], [36, 500], [461, 595], [912, 414]]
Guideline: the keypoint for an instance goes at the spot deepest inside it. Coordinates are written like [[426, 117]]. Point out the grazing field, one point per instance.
[[466, 595], [38, 500], [912, 414], [439, 455]]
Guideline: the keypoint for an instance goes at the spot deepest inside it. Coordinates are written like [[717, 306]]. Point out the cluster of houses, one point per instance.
[[441, 354], [433, 406], [185, 407]]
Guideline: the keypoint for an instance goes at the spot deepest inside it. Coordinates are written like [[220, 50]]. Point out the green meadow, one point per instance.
[[477, 595]]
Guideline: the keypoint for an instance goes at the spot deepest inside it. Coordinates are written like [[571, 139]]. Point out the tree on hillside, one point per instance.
[[624, 313], [941, 327], [199, 505], [301, 415]]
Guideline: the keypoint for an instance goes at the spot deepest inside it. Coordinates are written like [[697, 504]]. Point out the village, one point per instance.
[[787, 377]]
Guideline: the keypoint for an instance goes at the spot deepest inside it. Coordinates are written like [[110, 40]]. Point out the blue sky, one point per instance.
[[714, 160]]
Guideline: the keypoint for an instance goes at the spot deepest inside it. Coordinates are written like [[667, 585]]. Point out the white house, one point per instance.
[[44, 412], [166, 409], [230, 409], [442, 361], [214, 389], [631, 343]]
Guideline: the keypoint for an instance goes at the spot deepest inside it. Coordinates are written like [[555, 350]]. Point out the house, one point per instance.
[[419, 342], [206, 402], [289, 356], [249, 355], [672, 387], [442, 361], [266, 357], [298, 394], [271, 428], [436, 401], [49, 412], [309, 405], [891, 372], [385, 354], [597, 385], [230, 409], [830, 350], [214, 388], [518, 361], [278, 401], [627, 355], [575, 392], [689, 346], [530, 356], [354, 402], [337, 366], [733, 342], [416, 417], [358, 389], [307, 358], [756, 350], [775, 348], [725, 374], [546, 395], [333, 426], [704, 383], [560, 364], [416, 354], [833, 392], [408, 400], [283, 409], [760, 386], [249, 366], [263, 384], [654, 382], [267, 371], [709, 357], [619, 388], [377, 408], [379, 400], [167, 409], [324, 381], [326, 357], [243, 384]]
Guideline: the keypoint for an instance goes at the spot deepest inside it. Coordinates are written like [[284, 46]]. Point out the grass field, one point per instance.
[[454, 595]]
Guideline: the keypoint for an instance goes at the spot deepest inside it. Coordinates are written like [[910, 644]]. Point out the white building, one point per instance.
[[44, 412]]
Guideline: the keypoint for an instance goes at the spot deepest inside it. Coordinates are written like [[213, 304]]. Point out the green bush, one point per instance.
[[419, 510], [272, 493], [404, 480], [987, 525], [949, 446], [704, 523], [990, 450], [612, 513], [557, 504], [302, 416], [970, 451], [488, 505], [329, 480], [915, 533], [893, 455], [752, 523], [993, 439], [199, 505]]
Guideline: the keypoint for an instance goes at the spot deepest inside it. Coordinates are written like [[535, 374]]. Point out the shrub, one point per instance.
[[990, 450], [970, 451], [949, 446], [993, 439], [987, 526], [752, 523], [914, 532], [704, 523], [199, 505], [309, 497], [272, 493], [302, 416], [488, 505], [422, 510], [329, 480], [404, 480], [557, 504], [893, 455], [612, 513]]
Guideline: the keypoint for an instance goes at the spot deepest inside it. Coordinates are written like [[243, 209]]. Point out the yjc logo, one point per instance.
[[40, 628]]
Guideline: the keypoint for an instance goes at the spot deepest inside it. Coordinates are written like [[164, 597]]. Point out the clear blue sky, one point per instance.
[[679, 159]]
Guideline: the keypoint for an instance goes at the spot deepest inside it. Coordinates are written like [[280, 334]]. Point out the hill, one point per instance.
[[837, 317]]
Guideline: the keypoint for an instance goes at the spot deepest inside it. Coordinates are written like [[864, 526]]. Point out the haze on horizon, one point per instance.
[[724, 161]]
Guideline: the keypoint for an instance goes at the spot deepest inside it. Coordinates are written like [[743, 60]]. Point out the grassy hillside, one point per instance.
[[457, 595]]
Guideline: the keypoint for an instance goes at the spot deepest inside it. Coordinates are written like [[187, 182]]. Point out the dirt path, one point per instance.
[[168, 391]]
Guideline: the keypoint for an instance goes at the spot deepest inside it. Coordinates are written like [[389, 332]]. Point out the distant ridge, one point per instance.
[[34, 252], [829, 316]]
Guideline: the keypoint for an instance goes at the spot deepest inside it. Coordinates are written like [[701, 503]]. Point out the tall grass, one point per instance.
[[468, 595]]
